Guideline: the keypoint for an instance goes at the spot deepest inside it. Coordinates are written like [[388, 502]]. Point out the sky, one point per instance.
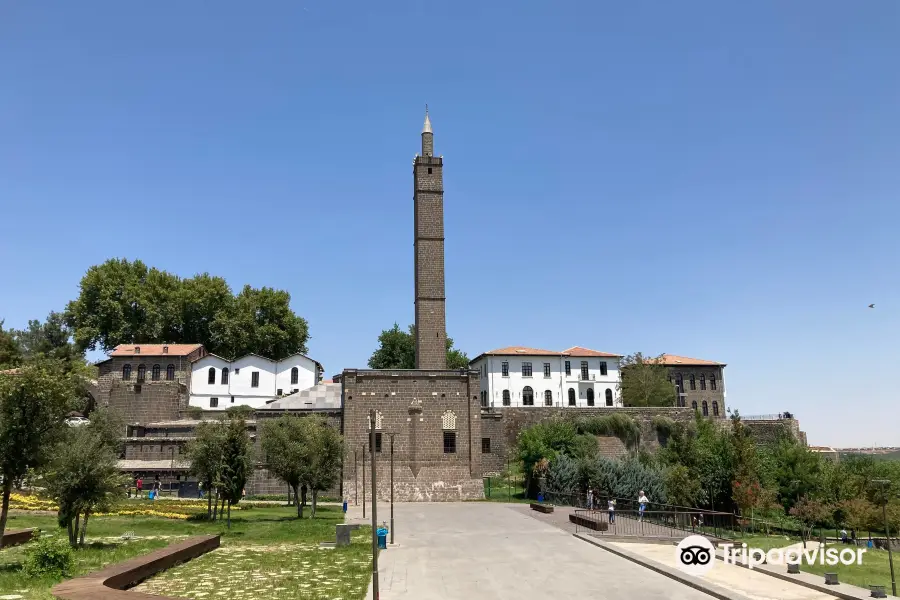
[[711, 179]]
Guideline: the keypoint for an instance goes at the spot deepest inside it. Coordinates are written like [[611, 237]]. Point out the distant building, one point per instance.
[[251, 380], [700, 383], [522, 376]]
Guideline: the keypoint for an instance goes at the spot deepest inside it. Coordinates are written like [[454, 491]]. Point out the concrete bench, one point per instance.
[[111, 583], [14, 537], [342, 533], [831, 579], [877, 591], [542, 508], [793, 568], [588, 523]]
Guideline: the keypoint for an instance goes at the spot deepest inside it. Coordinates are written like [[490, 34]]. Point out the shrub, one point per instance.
[[621, 426], [48, 557]]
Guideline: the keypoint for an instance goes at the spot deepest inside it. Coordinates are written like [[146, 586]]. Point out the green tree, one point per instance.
[[206, 453], [811, 513], [259, 321], [33, 406], [645, 382], [202, 297], [83, 476], [796, 471], [682, 488], [10, 353], [52, 339], [326, 452], [397, 350], [286, 451], [237, 462], [544, 442]]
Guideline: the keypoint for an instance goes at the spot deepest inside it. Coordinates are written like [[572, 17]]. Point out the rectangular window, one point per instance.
[[603, 368], [213, 402], [254, 379], [236, 371], [278, 392], [584, 369], [526, 369], [504, 369], [449, 442], [568, 367], [546, 369], [485, 445], [377, 442], [232, 399]]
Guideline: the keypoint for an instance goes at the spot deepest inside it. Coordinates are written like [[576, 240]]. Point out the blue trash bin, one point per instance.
[[345, 506], [381, 532]]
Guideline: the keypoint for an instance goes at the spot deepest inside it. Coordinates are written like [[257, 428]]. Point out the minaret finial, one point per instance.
[[427, 128]]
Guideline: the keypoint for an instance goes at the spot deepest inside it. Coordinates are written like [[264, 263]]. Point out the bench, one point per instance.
[[793, 568], [877, 591], [542, 508], [831, 579], [588, 523], [111, 583], [14, 537], [342, 534]]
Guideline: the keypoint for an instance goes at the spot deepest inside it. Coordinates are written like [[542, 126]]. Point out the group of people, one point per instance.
[[152, 492], [643, 501]]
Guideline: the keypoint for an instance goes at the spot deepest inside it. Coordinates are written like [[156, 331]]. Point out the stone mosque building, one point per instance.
[[446, 429]]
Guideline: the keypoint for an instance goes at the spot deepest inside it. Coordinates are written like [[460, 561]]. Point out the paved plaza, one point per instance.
[[486, 550]]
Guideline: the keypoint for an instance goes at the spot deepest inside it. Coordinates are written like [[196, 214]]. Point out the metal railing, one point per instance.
[[655, 523]]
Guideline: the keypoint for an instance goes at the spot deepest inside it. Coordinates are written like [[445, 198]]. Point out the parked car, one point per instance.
[[77, 421]]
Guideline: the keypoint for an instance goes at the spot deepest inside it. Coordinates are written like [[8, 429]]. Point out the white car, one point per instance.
[[76, 421]]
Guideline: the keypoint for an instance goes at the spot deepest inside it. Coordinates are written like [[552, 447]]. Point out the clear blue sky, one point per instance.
[[717, 180]]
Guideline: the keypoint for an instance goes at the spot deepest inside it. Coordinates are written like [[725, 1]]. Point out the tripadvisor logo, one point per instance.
[[695, 555]]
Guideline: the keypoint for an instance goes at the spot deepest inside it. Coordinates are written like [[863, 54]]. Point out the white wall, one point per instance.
[[306, 373], [493, 382], [273, 376]]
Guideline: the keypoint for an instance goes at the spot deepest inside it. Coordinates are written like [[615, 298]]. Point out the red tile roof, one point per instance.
[[512, 350], [154, 349], [674, 360], [579, 351]]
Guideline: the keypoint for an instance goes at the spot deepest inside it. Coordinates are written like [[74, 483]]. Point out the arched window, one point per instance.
[[571, 396], [712, 381], [505, 397], [225, 376], [590, 396], [295, 376], [126, 372], [715, 408], [693, 382], [527, 396], [703, 382], [211, 376], [705, 409], [154, 372], [548, 398], [170, 373], [609, 397], [694, 404], [142, 372]]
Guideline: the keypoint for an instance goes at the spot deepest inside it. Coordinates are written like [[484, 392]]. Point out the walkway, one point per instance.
[[487, 550]]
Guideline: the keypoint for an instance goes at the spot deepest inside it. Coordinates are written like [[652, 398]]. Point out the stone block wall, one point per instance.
[[148, 400], [417, 407], [766, 432]]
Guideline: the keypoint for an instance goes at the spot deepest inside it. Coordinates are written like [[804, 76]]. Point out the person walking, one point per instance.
[[611, 508], [643, 501], [590, 499], [139, 484]]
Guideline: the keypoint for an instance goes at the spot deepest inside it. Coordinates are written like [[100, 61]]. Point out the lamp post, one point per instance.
[[887, 530], [355, 478], [375, 594], [364, 479], [392, 486]]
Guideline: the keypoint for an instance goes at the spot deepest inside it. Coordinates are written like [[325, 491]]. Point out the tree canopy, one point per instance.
[[645, 382], [124, 302], [397, 350]]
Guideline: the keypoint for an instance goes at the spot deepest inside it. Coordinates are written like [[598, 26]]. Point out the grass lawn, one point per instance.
[[874, 569], [764, 542], [268, 543], [504, 492]]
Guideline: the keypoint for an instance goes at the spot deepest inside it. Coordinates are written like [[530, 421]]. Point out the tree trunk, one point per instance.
[[87, 513], [4, 511], [297, 503], [229, 514], [315, 496], [222, 508], [208, 502], [69, 529], [303, 494], [216, 505], [74, 541]]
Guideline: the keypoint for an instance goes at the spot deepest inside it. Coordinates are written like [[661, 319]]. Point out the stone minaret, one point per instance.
[[428, 198]]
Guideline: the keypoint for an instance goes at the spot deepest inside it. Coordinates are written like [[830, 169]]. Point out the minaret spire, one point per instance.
[[427, 136]]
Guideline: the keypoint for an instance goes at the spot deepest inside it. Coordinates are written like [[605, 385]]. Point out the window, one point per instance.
[[377, 441], [712, 382], [571, 396], [254, 379], [170, 373], [213, 402], [715, 408], [483, 398], [590, 396], [679, 383], [548, 398], [705, 409], [232, 399], [505, 397], [527, 396], [603, 370], [693, 383], [546, 369], [211, 376], [609, 397], [526, 369], [137, 389], [504, 369], [449, 442], [295, 376], [568, 367], [279, 392], [237, 371], [225, 376], [142, 373], [126, 372], [485, 445], [703, 382], [694, 404], [154, 372], [584, 369]]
